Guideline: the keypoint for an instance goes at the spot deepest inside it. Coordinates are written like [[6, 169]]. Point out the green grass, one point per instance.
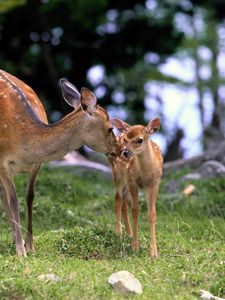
[[75, 240]]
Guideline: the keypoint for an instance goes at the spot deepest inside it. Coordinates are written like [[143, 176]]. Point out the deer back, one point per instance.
[[20, 109]]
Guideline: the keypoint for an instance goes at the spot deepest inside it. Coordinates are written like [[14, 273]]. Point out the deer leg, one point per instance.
[[125, 213], [13, 205], [7, 210], [152, 197], [29, 199], [118, 202], [135, 215]]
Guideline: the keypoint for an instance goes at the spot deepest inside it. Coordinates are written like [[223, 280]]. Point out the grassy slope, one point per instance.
[[74, 238]]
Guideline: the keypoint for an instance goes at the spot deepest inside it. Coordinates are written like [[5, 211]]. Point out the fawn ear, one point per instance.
[[120, 125], [70, 93], [88, 100], [153, 126]]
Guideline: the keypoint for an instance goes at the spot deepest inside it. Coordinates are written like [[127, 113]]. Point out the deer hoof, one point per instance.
[[21, 251], [29, 247]]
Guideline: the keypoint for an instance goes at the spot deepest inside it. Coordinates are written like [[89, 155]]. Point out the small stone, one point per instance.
[[207, 295], [49, 278], [188, 190], [125, 282], [70, 213]]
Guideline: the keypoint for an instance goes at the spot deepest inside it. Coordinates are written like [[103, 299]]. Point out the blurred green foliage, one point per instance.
[[6, 5], [45, 40]]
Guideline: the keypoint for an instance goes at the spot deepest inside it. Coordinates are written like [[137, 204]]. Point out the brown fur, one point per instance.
[[142, 170], [27, 140], [134, 131]]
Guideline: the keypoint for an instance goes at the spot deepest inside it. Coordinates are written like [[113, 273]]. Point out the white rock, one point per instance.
[[125, 282], [49, 278], [207, 295]]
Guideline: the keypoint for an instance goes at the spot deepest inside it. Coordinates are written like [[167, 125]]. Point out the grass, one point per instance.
[[75, 240]]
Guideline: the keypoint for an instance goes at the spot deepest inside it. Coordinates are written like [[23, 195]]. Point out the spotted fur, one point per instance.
[[143, 169], [27, 140]]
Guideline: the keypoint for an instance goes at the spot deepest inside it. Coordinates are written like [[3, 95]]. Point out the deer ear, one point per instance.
[[88, 100], [70, 93], [153, 126], [120, 125]]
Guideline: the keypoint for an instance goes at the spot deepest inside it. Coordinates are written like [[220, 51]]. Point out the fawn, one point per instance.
[[27, 140], [138, 166]]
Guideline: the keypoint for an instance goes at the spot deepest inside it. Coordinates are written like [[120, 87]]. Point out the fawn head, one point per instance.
[[99, 135], [134, 138]]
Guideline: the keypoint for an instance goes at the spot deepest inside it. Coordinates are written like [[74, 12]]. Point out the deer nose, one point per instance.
[[111, 155]]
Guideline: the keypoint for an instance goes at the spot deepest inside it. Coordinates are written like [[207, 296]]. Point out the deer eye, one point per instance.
[[140, 140]]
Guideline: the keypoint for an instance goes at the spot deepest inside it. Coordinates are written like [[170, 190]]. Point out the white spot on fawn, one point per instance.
[[5, 125]]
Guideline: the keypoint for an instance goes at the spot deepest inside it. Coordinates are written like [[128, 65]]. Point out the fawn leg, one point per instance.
[[29, 199], [135, 215], [125, 213], [152, 197], [118, 202]]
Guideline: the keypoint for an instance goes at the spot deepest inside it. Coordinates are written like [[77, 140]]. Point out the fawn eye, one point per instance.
[[110, 130], [139, 141]]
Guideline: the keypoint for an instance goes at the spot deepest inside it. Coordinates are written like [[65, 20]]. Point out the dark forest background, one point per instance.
[[42, 41]]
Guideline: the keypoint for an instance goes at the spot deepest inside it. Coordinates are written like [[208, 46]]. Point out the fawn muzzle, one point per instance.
[[127, 153]]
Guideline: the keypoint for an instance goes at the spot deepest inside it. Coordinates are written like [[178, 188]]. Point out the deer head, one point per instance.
[[98, 133]]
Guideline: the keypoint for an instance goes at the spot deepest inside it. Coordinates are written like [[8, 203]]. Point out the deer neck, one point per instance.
[[145, 159], [52, 142]]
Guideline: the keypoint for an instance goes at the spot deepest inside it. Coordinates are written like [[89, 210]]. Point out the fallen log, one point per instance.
[[195, 161]]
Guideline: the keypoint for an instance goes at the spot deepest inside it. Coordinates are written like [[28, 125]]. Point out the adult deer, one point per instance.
[[27, 140], [138, 166]]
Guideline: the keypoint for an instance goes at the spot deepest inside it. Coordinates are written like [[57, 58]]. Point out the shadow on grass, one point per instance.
[[95, 243], [8, 247]]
